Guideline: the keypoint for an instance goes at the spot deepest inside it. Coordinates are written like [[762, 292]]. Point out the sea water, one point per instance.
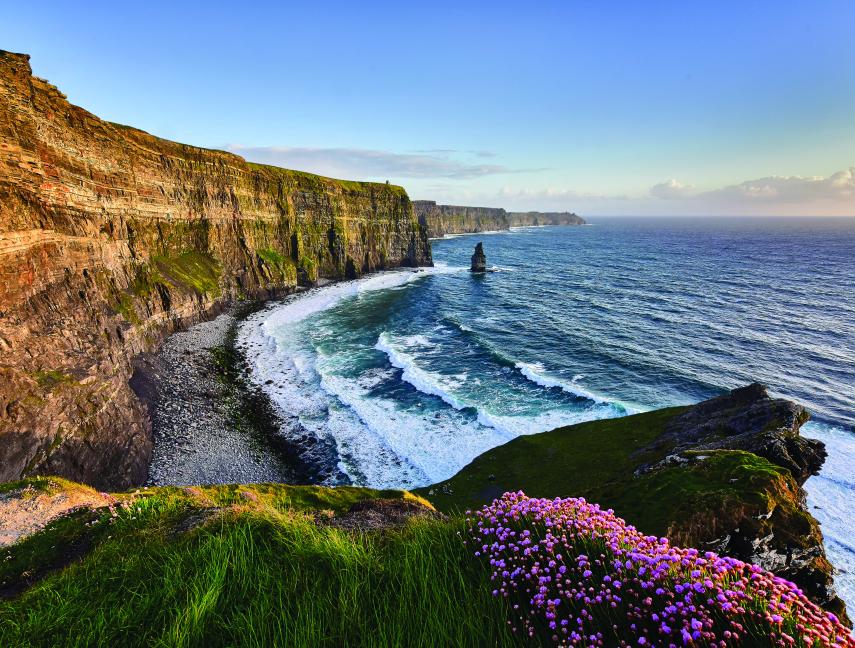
[[414, 374]]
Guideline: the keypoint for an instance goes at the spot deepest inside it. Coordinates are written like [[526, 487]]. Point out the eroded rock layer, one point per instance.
[[440, 220], [111, 238]]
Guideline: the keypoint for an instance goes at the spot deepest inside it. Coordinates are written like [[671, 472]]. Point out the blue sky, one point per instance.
[[602, 108]]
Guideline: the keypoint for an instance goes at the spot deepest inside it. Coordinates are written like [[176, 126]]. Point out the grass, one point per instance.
[[50, 379], [188, 271], [691, 502], [578, 460], [316, 182], [197, 271], [283, 265], [257, 571]]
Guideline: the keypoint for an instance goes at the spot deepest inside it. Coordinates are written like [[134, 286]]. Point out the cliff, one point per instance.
[[724, 475], [110, 238], [440, 220]]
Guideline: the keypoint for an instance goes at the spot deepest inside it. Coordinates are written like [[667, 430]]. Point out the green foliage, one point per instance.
[[53, 378], [312, 182], [597, 460], [571, 461], [283, 265], [724, 482], [190, 271], [194, 270], [309, 267], [252, 568]]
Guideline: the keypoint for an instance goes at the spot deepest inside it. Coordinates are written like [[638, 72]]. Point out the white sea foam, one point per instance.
[[829, 498], [536, 373], [435, 444], [508, 426], [379, 443], [424, 381], [514, 426], [320, 299]]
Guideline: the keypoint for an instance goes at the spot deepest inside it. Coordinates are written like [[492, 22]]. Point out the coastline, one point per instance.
[[210, 424], [513, 228]]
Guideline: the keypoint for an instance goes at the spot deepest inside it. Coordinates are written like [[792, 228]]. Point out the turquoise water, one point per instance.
[[414, 374]]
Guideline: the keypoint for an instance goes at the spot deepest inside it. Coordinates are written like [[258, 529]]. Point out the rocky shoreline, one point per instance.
[[210, 425]]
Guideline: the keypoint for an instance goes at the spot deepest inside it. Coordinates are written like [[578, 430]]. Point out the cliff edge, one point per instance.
[[724, 475], [110, 238]]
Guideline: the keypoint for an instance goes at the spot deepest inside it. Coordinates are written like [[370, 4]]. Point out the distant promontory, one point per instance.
[[440, 220]]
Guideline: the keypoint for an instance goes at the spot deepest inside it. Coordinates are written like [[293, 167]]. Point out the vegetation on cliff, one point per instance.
[[276, 565], [576, 575], [439, 220]]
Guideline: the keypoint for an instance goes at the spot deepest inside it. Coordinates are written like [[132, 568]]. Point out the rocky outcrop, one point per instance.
[[479, 259], [774, 529], [440, 220], [724, 475], [747, 419], [110, 238]]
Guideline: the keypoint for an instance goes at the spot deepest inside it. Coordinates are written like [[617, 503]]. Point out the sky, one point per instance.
[[598, 108]]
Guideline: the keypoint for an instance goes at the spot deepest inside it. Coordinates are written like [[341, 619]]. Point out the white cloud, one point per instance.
[[838, 187], [671, 189], [367, 163]]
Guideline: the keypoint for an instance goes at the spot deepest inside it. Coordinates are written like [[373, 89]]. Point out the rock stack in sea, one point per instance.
[[479, 259]]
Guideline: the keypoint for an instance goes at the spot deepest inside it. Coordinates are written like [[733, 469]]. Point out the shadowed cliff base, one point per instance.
[[111, 238]]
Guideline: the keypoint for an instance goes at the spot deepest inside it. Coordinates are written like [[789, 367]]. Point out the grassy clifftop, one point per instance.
[[730, 501], [257, 565]]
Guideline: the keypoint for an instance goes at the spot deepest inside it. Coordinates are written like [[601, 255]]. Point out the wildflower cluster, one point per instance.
[[580, 576]]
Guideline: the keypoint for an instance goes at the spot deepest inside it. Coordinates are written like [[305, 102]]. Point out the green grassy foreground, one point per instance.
[[259, 565], [243, 565]]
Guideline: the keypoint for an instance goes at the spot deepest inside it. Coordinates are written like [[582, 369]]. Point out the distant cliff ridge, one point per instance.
[[111, 238], [440, 220]]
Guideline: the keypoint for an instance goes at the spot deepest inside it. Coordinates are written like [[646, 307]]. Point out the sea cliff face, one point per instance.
[[440, 220], [111, 238]]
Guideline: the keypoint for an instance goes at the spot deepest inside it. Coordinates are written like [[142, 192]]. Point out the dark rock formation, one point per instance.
[[111, 238], [439, 220], [782, 537], [479, 259], [748, 419]]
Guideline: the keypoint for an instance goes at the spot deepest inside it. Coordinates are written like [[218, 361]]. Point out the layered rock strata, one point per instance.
[[111, 238], [440, 220]]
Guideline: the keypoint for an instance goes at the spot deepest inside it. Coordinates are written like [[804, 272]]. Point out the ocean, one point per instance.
[[415, 373]]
